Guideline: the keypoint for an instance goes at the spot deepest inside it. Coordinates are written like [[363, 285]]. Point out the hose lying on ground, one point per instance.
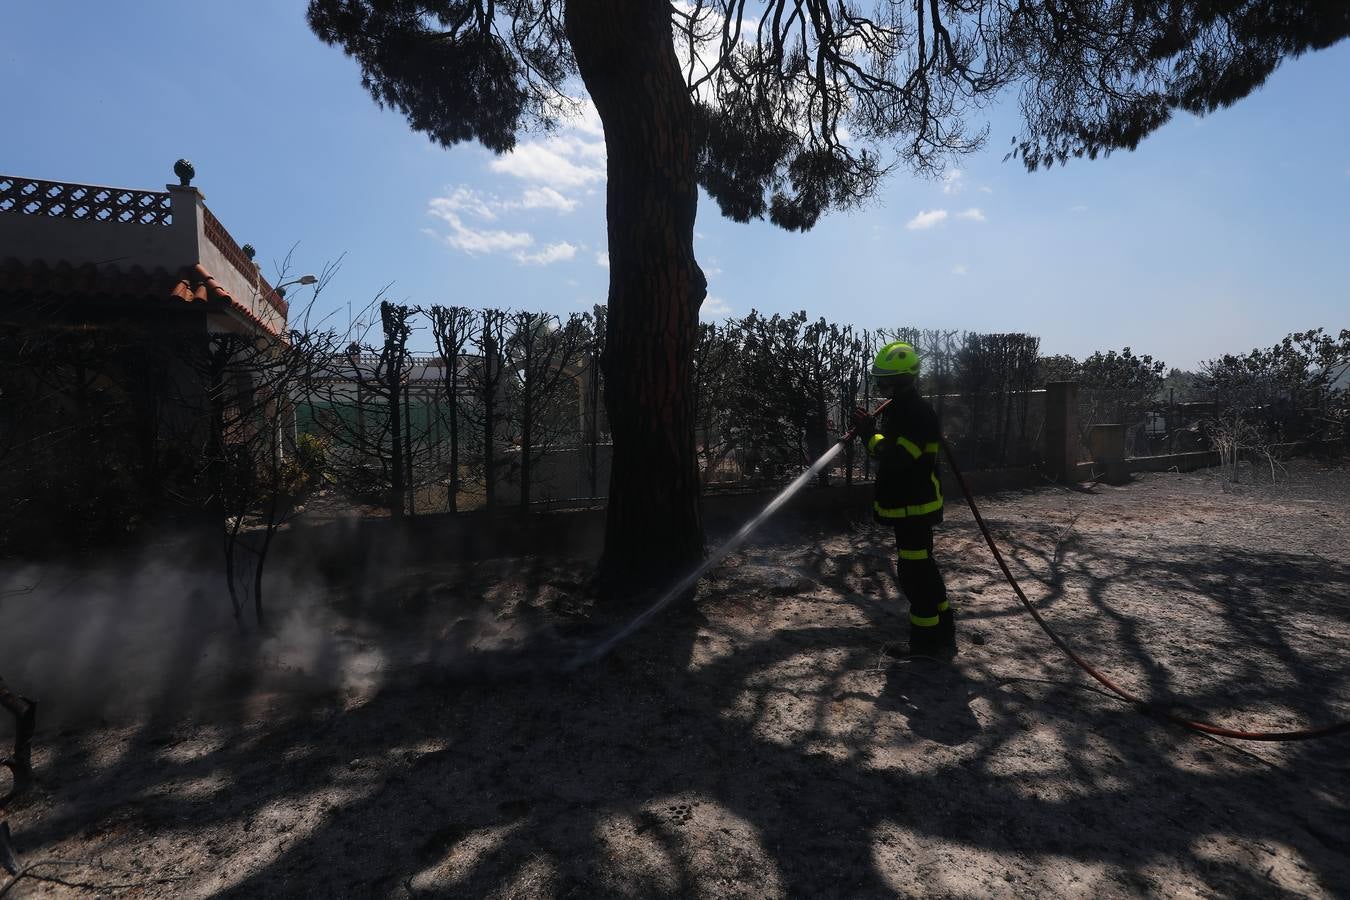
[[1144, 706]]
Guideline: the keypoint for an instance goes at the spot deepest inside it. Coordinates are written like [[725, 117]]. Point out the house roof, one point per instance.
[[191, 284]]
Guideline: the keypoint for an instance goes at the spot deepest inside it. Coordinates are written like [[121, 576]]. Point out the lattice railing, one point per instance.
[[62, 200], [217, 235]]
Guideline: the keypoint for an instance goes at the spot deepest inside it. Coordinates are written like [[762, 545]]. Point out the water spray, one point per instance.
[[721, 552]]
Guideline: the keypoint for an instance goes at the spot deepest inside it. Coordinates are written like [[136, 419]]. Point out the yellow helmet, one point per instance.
[[896, 358]]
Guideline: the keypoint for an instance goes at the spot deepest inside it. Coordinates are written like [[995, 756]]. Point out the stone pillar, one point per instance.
[[1060, 435], [188, 226], [1106, 444]]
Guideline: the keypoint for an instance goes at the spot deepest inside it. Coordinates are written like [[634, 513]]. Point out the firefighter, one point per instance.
[[905, 443]]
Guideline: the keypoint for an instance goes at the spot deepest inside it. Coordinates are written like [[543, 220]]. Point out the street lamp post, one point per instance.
[[303, 279], [295, 425]]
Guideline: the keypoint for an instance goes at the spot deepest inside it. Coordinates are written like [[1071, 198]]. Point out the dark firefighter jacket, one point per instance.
[[906, 449]]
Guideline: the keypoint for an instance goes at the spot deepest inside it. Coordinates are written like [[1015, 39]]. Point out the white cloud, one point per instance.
[[473, 241], [558, 252], [560, 162], [952, 183], [926, 219], [1078, 208], [602, 259], [974, 214], [547, 198], [959, 270], [714, 308], [557, 171], [466, 199]]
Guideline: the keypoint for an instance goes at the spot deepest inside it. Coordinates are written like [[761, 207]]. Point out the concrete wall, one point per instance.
[[246, 289], [81, 241]]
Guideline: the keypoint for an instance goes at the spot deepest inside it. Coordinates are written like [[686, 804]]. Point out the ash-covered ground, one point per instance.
[[411, 735]]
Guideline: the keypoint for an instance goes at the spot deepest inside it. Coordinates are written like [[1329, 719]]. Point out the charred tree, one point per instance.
[[487, 378], [450, 327], [20, 762], [391, 372], [547, 359]]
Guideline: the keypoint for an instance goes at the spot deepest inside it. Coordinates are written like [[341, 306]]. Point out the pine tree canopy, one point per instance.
[[801, 106]]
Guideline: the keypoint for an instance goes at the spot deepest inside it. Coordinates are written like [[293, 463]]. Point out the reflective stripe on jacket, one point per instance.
[[906, 449]]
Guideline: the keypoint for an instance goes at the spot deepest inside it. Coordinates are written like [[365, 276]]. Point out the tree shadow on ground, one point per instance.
[[759, 746]]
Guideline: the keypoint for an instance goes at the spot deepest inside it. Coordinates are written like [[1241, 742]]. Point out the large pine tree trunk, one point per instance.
[[626, 55]]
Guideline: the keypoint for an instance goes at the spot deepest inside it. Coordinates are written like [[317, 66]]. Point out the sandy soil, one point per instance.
[[407, 739]]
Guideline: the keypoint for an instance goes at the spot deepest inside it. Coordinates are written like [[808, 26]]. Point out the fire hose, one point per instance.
[[1144, 706]]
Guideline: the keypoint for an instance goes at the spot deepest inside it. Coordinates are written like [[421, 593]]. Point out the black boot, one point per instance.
[[946, 629], [931, 642]]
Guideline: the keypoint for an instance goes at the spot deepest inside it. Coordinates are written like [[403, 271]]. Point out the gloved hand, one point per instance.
[[864, 423]]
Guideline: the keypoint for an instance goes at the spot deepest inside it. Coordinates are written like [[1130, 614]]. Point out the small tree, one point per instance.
[[1311, 365], [854, 367], [595, 393], [770, 404], [716, 371], [1059, 367], [451, 327], [996, 373], [827, 354], [547, 357], [359, 404], [487, 380], [265, 476], [1118, 388], [1269, 395]]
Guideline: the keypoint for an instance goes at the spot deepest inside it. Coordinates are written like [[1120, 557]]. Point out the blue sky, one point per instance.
[[1216, 235]]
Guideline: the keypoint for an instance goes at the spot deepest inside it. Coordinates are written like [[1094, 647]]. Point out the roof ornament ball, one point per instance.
[[249, 251], [183, 169]]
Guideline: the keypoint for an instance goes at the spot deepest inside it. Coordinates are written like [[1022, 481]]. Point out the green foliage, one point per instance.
[[996, 373], [1118, 388], [1300, 378], [305, 470], [718, 374], [1140, 376], [1100, 76], [1059, 367], [771, 386], [448, 68]]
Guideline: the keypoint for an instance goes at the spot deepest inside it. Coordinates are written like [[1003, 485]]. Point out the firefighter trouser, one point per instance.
[[930, 616]]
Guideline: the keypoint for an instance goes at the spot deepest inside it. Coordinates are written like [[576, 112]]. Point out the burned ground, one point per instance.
[[412, 737]]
